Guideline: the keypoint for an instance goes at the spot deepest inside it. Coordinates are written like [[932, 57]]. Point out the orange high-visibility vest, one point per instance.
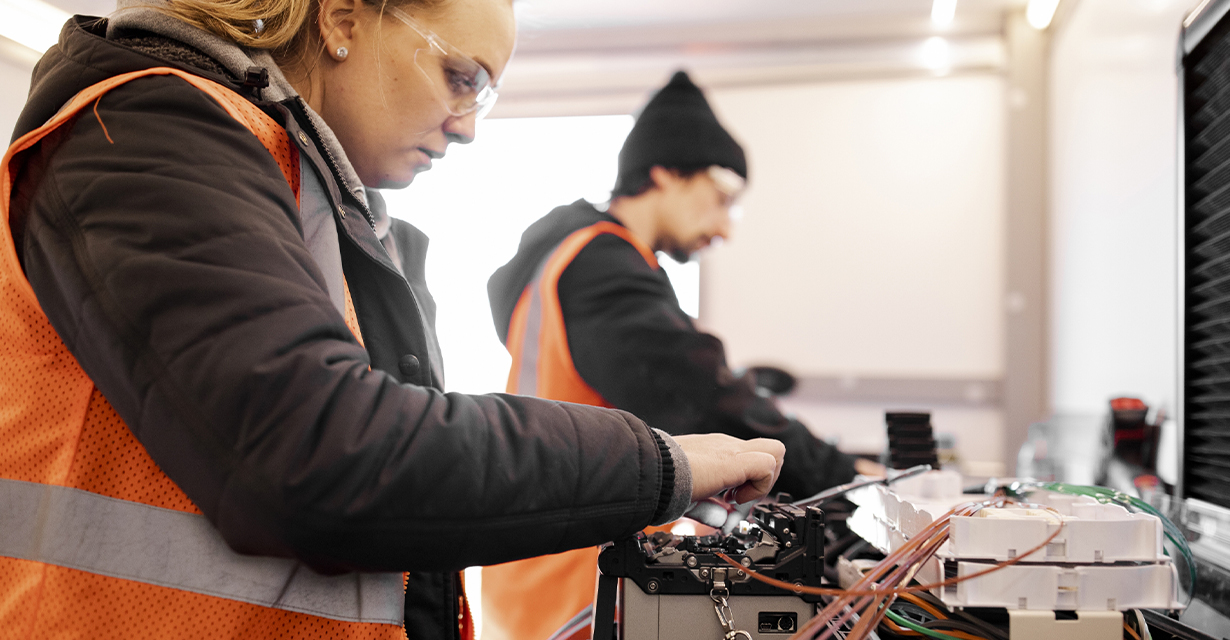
[[97, 542], [534, 599]]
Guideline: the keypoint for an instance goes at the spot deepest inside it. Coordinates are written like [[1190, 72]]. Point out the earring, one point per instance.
[[342, 52]]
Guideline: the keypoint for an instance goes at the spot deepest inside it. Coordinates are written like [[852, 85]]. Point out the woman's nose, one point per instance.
[[460, 129]]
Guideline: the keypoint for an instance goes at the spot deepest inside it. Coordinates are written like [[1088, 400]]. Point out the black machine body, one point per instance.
[[677, 587]]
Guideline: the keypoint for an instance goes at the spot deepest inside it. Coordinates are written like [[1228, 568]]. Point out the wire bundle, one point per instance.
[[855, 613], [943, 624], [948, 624], [896, 570]]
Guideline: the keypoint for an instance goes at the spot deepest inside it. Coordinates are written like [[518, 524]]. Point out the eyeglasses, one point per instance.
[[728, 183], [462, 85]]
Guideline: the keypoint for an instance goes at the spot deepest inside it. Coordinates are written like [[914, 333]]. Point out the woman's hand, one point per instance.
[[720, 462]]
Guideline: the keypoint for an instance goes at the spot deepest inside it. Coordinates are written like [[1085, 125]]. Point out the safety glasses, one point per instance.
[[462, 85], [728, 183]]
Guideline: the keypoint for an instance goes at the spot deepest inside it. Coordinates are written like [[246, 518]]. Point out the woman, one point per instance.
[[214, 342]]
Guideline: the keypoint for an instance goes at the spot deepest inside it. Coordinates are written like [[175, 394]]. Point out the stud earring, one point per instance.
[[342, 52]]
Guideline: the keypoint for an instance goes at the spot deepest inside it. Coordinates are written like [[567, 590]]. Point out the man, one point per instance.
[[590, 317]]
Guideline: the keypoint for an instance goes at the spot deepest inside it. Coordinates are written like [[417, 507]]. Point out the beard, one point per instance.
[[680, 255]]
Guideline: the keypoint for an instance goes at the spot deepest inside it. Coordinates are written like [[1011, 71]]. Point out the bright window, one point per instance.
[[476, 202]]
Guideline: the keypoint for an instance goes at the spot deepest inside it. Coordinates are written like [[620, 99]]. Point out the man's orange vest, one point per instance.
[[97, 542], [545, 597]]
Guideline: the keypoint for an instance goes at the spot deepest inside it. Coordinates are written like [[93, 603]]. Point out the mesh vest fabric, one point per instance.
[[533, 599], [64, 442]]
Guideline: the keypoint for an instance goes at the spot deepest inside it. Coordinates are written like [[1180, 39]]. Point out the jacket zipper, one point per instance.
[[333, 166], [371, 221]]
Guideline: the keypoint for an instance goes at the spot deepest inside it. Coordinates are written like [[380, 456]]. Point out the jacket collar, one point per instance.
[[142, 15]]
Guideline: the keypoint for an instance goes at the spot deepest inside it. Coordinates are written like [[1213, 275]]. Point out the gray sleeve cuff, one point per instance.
[[681, 498]]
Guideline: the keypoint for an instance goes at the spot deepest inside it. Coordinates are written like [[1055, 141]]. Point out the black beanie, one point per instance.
[[677, 129]]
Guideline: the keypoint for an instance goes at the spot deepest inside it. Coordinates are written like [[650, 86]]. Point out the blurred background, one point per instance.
[[962, 206]]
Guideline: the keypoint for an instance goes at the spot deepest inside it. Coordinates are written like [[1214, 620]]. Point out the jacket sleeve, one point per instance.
[[171, 264], [636, 347]]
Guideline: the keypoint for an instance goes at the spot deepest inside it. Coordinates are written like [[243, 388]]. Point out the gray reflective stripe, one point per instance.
[[527, 376], [121, 539]]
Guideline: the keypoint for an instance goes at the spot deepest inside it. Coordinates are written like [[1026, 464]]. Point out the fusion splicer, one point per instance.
[[677, 587]]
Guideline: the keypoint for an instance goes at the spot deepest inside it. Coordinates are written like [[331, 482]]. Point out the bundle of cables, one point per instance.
[[884, 598], [922, 615], [855, 613]]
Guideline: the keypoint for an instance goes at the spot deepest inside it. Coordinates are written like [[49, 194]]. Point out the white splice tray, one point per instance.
[[1093, 533], [1066, 587], [1104, 559]]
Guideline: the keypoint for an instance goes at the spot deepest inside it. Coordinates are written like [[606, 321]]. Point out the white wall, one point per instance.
[[858, 427], [871, 243], [15, 84], [1113, 204], [476, 202]]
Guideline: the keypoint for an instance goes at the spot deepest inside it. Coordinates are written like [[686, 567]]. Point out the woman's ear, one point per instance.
[[337, 22]]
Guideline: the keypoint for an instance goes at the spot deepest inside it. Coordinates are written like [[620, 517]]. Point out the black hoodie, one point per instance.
[[634, 345]]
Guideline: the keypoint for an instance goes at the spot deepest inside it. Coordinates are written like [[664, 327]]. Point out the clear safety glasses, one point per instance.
[[728, 183], [462, 85]]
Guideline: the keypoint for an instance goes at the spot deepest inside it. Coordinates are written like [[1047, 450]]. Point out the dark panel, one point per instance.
[[1206, 297]]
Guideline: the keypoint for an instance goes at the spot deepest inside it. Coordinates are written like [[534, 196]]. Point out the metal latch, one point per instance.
[[719, 593]]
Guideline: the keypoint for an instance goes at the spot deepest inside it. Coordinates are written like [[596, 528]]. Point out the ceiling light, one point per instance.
[[942, 12], [936, 55], [32, 23], [1040, 12]]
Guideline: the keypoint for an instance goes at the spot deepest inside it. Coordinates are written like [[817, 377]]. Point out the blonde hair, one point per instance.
[[283, 26]]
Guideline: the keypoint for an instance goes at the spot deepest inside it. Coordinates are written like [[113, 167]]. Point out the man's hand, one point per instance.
[[865, 467], [720, 462]]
